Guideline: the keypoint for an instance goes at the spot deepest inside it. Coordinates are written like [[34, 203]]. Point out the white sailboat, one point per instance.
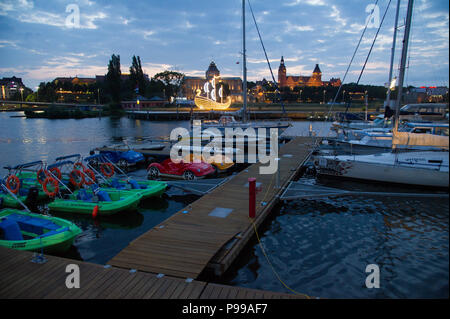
[[412, 168], [382, 138]]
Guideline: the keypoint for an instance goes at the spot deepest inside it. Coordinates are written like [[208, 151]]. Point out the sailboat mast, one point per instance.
[[394, 40], [403, 62], [244, 66]]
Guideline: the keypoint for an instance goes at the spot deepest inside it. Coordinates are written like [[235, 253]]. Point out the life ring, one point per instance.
[[75, 166], [39, 176], [55, 183], [16, 180], [111, 169], [56, 171], [91, 177], [76, 173]]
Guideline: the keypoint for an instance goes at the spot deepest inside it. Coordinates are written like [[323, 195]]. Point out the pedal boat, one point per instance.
[[34, 232]]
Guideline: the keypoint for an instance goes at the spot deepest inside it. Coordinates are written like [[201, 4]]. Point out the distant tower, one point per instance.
[[212, 71], [316, 78], [282, 74]]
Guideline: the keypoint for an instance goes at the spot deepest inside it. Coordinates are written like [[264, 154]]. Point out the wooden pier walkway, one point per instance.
[[199, 237], [21, 278]]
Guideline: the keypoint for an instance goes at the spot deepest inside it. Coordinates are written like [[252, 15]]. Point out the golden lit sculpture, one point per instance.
[[209, 102]]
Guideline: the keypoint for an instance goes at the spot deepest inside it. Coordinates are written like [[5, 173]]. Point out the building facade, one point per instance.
[[10, 86], [191, 84], [292, 81], [143, 103]]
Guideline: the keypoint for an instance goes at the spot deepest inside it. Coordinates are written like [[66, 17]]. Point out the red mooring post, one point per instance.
[[251, 197]]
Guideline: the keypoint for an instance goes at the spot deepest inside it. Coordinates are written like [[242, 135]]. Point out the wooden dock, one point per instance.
[[211, 232], [21, 278]]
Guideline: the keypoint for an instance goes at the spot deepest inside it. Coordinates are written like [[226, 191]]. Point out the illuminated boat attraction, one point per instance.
[[212, 98]]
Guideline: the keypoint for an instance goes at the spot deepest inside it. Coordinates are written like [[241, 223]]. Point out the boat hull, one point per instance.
[[127, 201], [153, 188], [389, 173], [59, 242]]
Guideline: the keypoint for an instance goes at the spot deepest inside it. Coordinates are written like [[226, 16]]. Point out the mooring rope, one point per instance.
[[273, 268], [264, 252]]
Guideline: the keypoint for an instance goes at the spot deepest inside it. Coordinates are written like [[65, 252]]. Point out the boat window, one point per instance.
[[421, 130]]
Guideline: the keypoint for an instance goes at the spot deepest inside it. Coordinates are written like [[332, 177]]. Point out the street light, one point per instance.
[[324, 91], [21, 93]]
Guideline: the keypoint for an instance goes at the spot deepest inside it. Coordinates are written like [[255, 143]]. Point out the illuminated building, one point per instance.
[[10, 86], [233, 85], [292, 81], [143, 103]]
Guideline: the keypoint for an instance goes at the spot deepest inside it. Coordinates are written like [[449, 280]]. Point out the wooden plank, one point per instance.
[[175, 284], [36, 281], [121, 277], [207, 292], [29, 280], [128, 281], [59, 290], [163, 288], [193, 290], [151, 290], [142, 281]]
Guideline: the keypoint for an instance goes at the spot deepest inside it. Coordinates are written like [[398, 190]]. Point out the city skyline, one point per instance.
[[42, 41]]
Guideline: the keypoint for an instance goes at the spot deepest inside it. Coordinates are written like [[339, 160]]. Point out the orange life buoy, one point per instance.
[[76, 173], [41, 178], [55, 183], [91, 176], [16, 180], [111, 169], [77, 164], [55, 171]]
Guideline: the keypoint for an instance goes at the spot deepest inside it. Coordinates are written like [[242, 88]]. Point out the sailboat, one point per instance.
[[229, 121], [421, 168]]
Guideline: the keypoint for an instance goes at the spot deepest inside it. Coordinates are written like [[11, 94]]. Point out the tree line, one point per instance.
[[115, 88]]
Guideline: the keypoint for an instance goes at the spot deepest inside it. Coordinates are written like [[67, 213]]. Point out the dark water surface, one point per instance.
[[319, 247]]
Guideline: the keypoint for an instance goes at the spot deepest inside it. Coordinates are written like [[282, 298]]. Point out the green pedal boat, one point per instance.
[[27, 231], [104, 202], [6, 200], [146, 188]]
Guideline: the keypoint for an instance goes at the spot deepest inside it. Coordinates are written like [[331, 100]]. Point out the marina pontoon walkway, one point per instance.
[[212, 231], [22, 278]]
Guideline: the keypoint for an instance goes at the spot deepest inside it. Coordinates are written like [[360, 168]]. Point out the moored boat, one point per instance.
[[105, 201], [411, 168], [34, 232]]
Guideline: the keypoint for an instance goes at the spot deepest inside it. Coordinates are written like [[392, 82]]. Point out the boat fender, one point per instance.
[[16, 184], [134, 184], [103, 196], [95, 211]]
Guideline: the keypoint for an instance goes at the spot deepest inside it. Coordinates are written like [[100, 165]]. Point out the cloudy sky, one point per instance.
[[41, 40]]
